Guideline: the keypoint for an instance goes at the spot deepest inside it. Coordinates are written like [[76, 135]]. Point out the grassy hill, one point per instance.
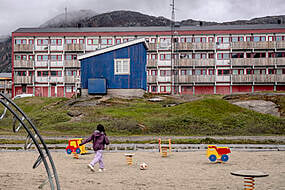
[[209, 115]]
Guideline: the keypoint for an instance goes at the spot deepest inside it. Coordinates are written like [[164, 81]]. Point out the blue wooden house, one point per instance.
[[117, 70]]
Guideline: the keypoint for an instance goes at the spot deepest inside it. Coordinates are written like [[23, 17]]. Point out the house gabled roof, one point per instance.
[[112, 48]]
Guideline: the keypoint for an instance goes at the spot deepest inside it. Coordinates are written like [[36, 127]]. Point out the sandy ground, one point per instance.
[[180, 170]]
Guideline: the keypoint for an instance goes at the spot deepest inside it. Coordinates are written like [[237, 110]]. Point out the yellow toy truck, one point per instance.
[[215, 153]]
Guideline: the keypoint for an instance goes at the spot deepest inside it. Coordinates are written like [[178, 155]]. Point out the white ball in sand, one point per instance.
[[143, 166]]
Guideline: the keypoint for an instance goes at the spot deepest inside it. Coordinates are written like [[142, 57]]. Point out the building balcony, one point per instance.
[[280, 78], [257, 78], [151, 63], [5, 86], [196, 78], [23, 64], [73, 47], [70, 79], [56, 63], [254, 45], [195, 46], [151, 79], [41, 64], [264, 78], [163, 78], [54, 79], [22, 79], [152, 46], [280, 44], [257, 61], [279, 61], [41, 47], [184, 46], [23, 47], [56, 48], [196, 62], [42, 79], [71, 63], [242, 78]]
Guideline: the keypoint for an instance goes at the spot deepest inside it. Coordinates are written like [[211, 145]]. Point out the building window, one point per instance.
[[106, 41], [31, 41], [165, 73], [211, 71], [211, 39], [81, 41], [224, 72], [20, 73], [42, 57], [56, 42], [56, 58], [153, 72], [71, 41], [165, 56], [21, 41], [70, 57], [118, 41], [153, 56], [55, 73], [42, 42], [223, 56], [92, 41], [122, 66], [70, 73], [271, 71], [153, 88], [68, 88]]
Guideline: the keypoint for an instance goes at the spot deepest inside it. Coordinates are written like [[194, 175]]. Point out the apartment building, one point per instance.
[[186, 60], [6, 84]]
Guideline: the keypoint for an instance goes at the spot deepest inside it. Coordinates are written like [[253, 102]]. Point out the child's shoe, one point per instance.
[[102, 169], [91, 167]]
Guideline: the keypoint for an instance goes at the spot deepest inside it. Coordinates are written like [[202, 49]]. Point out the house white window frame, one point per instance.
[[119, 69]]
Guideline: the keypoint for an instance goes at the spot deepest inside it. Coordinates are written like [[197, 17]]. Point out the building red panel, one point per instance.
[[222, 89], [280, 88], [38, 91], [29, 90], [41, 91], [52, 91], [187, 90], [60, 91], [204, 90], [236, 89], [263, 88], [18, 90], [45, 91]]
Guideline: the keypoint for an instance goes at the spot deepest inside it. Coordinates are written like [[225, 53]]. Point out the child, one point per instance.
[[99, 139]]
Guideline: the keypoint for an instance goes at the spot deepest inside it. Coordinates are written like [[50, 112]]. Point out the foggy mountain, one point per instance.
[[68, 20], [89, 18]]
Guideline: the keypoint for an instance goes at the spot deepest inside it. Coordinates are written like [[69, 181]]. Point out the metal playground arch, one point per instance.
[[21, 120]]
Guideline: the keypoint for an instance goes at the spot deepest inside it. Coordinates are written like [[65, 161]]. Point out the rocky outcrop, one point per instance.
[[261, 106]]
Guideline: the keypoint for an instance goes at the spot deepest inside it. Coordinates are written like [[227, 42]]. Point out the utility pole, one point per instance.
[[65, 16], [173, 50]]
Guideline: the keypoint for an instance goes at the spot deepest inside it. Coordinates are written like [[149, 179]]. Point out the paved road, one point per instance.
[[146, 138]]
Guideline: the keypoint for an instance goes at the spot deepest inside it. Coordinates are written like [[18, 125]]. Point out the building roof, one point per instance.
[[152, 28], [111, 48], [5, 75]]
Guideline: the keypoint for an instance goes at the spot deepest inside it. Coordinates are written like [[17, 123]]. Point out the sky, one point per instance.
[[32, 13]]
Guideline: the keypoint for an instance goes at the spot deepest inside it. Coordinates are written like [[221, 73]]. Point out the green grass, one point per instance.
[[209, 115]]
